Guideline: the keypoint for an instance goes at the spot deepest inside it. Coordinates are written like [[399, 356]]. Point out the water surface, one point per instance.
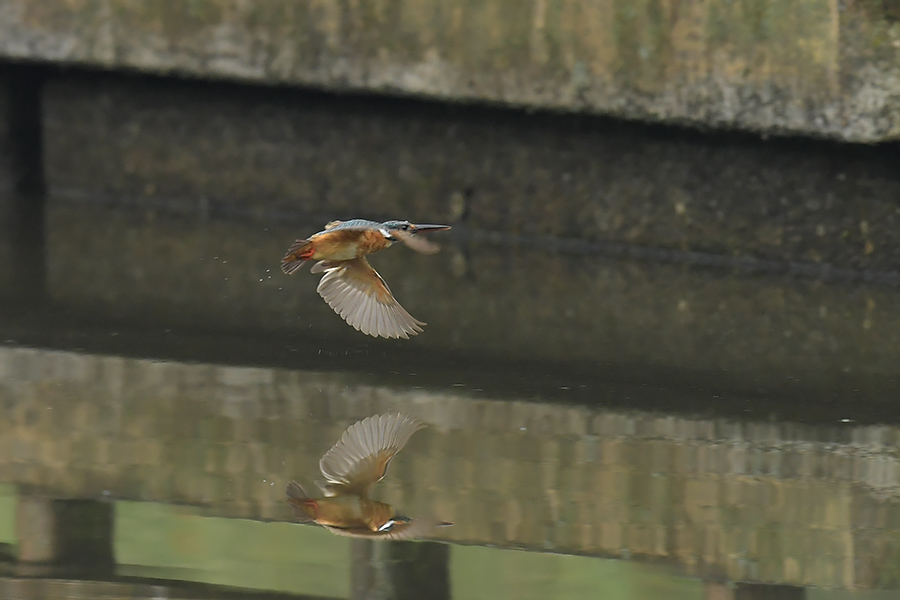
[[626, 429]]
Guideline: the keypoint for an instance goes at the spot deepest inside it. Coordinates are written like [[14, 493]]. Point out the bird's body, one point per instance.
[[350, 285], [343, 240], [346, 512], [352, 466]]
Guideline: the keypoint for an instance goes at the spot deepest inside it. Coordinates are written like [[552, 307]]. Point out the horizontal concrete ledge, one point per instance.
[[815, 67]]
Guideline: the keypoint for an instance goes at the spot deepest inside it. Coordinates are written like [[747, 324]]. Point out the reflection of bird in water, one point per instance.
[[352, 466], [350, 285]]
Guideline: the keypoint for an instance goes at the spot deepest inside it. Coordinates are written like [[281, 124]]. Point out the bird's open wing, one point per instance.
[[361, 456], [361, 297], [417, 528], [417, 243]]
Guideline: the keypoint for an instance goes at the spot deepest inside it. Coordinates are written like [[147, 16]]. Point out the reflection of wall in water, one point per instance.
[[7, 251], [771, 502]]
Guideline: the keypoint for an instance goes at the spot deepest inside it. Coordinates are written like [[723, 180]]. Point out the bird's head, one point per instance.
[[391, 523], [407, 227]]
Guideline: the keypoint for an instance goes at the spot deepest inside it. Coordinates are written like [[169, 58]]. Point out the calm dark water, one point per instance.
[[597, 428]]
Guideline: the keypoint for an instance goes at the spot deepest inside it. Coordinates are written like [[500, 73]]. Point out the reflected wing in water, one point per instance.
[[361, 457]]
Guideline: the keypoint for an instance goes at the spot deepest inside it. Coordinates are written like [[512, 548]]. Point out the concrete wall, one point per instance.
[[816, 67], [6, 143], [21, 184], [288, 155], [751, 501], [7, 198]]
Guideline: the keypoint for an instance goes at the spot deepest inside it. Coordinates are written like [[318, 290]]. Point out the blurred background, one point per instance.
[[663, 333]]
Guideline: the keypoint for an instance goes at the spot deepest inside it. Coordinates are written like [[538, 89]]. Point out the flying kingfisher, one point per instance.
[[353, 465], [350, 285]]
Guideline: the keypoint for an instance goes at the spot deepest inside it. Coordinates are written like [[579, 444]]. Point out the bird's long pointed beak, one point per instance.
[[416, 228]]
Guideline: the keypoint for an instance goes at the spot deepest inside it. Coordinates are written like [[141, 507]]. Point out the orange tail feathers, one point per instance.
[[304, 507], [297, 255]]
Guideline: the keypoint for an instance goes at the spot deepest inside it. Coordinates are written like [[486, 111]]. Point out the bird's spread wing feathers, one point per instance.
[[358, 294], [361, 456]]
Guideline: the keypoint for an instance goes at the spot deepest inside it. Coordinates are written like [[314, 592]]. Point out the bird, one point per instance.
[[350, 285], [351, 467]]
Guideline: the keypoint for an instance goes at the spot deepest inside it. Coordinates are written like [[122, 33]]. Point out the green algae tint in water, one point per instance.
[[7, 514], [492, 574], [176, 542]]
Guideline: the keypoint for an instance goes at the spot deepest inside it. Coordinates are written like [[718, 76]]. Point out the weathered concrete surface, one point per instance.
[[818, 67], [751, 501], [756, 591], [36, 530], [66, 533], [400, 571], [21, 186], [486, 300], [284, 154]]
